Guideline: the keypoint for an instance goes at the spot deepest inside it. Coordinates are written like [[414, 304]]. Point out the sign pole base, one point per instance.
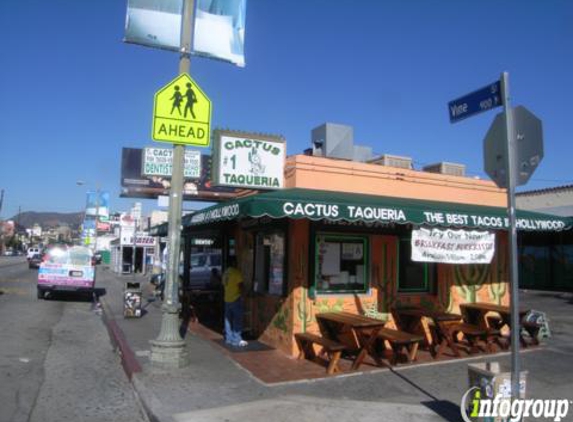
[[168, 350]]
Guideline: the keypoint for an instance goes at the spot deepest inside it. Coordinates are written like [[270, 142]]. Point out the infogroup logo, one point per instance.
[[476, 408]]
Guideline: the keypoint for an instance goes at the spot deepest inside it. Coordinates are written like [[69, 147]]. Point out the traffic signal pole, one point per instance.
[[169, 348]]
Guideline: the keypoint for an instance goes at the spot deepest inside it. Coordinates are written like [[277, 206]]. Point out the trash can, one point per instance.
[[132, 296], [491, 382]]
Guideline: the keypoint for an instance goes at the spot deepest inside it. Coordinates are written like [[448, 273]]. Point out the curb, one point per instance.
[[149, 401], [151, 404], [119, 342]]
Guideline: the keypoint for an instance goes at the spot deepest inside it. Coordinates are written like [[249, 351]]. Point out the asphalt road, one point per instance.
[[56, 360]]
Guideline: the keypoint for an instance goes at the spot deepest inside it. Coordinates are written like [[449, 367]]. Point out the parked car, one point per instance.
[[35, 261], [98, 257], [32, 251], [201, 266]]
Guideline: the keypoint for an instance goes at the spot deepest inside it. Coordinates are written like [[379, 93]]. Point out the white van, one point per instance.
[[31, 252]]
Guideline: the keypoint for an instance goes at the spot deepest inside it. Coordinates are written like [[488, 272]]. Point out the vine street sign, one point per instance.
[[182, 113], [476, 102], [528, 147]]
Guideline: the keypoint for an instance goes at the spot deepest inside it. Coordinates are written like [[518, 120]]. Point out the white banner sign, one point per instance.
[[159, 162], [452, 246], [250, 163]]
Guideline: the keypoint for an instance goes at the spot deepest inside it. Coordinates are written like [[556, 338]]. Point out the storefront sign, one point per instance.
[[255, 162], [159, 162], [140, 240], [370, 211], [452, 246]]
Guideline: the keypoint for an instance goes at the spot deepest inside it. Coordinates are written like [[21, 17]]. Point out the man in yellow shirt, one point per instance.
[[233, 285]]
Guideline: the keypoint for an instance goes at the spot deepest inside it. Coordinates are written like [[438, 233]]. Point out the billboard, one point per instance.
[[219, 27], [98, 202], [136, 185], [159, 162]]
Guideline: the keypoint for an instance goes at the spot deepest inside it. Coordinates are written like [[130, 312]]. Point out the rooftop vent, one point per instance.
[[337, 141], [393, 161], [451, 169]]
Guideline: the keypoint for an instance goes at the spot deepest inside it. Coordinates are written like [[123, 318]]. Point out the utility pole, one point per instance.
[[169, 348]]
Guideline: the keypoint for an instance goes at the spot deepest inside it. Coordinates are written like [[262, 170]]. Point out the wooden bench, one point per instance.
[[399, 341], [332, 349], [474, 334]]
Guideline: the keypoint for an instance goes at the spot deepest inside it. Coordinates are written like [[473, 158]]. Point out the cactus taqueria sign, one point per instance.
[[248, 160]]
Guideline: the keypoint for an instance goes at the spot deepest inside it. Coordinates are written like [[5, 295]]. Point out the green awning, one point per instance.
[[337, 206], [159, 230]]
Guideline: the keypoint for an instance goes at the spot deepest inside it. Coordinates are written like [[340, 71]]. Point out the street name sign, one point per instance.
[[528, 145], [182, 113], [476, 102]]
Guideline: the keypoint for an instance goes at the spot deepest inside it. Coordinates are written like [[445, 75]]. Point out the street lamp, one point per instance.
[[81, 183]]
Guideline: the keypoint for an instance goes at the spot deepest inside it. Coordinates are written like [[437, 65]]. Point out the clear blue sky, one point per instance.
[[72, 94]]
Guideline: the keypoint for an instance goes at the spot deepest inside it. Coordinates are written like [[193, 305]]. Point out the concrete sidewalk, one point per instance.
[[215, 388]]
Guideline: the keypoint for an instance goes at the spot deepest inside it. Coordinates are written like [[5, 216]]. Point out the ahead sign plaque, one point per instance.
[[182, 113]]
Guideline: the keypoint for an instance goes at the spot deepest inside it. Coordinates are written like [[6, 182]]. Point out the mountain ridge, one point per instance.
[[27, 219]]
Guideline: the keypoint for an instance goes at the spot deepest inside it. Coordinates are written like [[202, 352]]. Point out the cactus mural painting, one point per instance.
[[445, 297], [385, 278], [469, 280], [498, 285], [304, 310]]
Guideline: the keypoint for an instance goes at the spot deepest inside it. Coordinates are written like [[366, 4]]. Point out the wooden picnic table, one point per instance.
[[476, 313], [442, 328], [357, 332]]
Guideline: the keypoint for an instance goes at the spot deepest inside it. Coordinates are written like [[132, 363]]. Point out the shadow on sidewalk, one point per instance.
[[444, 408]]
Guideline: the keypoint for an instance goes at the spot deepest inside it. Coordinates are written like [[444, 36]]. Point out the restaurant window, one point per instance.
[[414, 277], [341, 264], [270, 261]]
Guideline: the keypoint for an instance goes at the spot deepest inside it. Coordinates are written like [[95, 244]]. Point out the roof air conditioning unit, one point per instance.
[[451, 169], [393, 161]]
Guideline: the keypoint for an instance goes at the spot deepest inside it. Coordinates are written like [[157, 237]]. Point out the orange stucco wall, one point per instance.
[[302, 171]]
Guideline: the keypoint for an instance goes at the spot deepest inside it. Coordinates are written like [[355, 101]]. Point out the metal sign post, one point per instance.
[[513, 148], [169, 348], [513, 269]]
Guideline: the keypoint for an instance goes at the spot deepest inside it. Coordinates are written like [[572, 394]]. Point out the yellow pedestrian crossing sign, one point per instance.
[[182, 113]]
